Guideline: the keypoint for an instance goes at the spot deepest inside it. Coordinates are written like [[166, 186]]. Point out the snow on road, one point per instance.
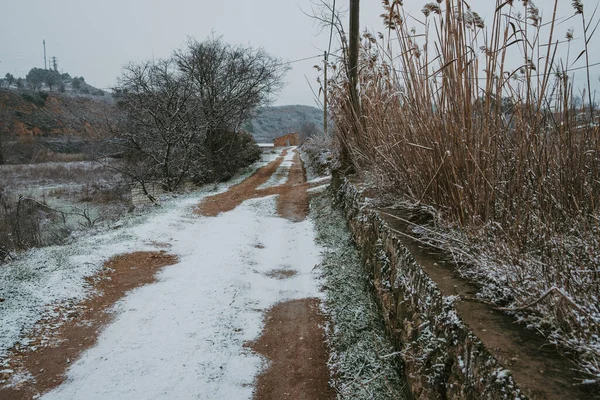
[[40, 279], [280, 177], [183, 336]]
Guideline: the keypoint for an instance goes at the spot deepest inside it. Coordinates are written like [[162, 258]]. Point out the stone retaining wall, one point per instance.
[[443, 358]]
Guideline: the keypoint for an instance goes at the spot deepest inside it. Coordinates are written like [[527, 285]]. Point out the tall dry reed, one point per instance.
[[476, 119]]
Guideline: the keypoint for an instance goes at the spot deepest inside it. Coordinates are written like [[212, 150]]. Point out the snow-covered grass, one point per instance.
[[363, 359], [52, 174]]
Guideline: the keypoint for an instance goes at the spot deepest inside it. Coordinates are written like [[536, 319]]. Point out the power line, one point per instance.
[[331, 27], [301, 59]]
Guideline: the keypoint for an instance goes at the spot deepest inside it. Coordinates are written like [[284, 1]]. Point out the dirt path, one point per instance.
[[293, 199], [293, 337], [292, 340], [236, 195], [121, 350], [79, 326]]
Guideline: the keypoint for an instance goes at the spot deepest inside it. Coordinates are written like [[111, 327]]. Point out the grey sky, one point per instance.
[[95, 39]]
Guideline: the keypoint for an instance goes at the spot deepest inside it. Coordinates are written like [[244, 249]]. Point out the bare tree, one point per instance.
[[307, 130], [180, 117], [159, 130], [231, 82]]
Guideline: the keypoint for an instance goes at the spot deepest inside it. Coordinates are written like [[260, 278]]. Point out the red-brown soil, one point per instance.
[[236, 195], [292, 202], [293, 342], [83, 325]]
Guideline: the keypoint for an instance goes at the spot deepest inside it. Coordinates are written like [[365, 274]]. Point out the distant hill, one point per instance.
[[40, 126], [276, 121], [49, 80]]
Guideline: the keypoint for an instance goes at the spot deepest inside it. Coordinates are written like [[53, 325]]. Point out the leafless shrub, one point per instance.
[[319, 149], [89, 218], [23, 224], [26, 222], [181, 117], [308, 130], [449, 120]]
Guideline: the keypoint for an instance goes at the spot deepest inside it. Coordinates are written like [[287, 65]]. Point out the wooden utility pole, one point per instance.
[[352, 66], [353, 53], [325, 93]]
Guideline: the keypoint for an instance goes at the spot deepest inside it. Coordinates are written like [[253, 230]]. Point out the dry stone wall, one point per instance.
[[443, 358]]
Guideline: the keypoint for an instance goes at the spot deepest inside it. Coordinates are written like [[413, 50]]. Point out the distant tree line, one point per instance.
[[180, 117], [38, 78]]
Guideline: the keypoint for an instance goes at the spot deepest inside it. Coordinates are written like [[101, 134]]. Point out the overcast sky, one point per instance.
[[95, 39]]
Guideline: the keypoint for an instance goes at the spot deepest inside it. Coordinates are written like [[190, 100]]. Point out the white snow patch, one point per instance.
[[182, 337], [41, 278], [320, 179], [317, 189], [267, 158], [19, 378], [281, 175]]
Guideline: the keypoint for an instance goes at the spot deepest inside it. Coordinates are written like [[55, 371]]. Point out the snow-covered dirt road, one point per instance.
[[236, 315]]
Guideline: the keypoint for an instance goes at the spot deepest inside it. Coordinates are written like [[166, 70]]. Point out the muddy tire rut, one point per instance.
[[80, 326]]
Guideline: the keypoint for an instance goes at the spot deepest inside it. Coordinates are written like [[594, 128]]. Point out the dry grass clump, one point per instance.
[[476, 119], [42, 204], [318, 151], [52, 173]]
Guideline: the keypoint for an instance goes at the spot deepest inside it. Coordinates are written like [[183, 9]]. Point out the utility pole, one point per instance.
[[345, 158], [45, 64], [353, 50], [325, 93], [54, 64]]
